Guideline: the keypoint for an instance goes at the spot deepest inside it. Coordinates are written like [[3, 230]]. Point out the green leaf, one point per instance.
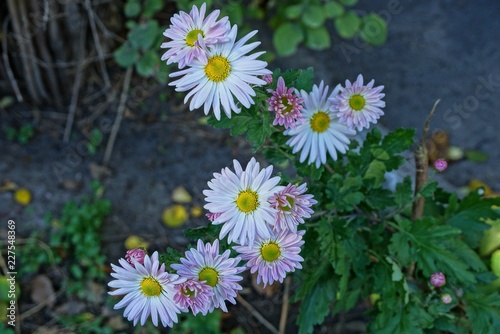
[[348, 2], [314, 16], [287, 37], [397, 274], [132, 8], [483, 311], [234, 11], [333, 9], [144, 35], [376, 171], [348, 24], [147, 63], [379, 199], [305, 80], [293, 12], [398, 140], [404, 192], [428, 189], [315, 306], [373, 29], [126, 56], [318, 39], [152, 7], [476, 156]]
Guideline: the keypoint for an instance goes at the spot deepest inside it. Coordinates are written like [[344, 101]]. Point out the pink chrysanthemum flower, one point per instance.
[[274, 257], [225, 73], [321, 132], [243, 198], [195, 295], [286, 105], [292, 207], [148, 289], [440, 165], [213, 216], [438, 279], [135, 255], [268, 78], [357, 105], [218, 271], [185, 30]]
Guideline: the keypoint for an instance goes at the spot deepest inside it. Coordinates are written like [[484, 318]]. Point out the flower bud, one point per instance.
[[446, 298], [440, 165], [135, 255], [438, 279]]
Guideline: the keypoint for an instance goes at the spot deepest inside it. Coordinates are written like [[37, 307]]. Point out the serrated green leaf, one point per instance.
[[379, 199], [400, 248], [397, 274], [483, 311], [373, 29], [305, 80], [333, 9], [376, 171], [293, 12], [318, 39], [348, 25], [125, 55], [404, 192], [315, 307], [287, 37], [428, 189], [152, 7], [314, 16], [234, 11], [398, 140]]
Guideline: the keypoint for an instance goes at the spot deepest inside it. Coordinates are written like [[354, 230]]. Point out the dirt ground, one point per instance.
[[444, 50]]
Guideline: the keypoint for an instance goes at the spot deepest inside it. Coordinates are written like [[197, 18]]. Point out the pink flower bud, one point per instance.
[[446, 298], [135, 255], [438, 279], [268, 78], [213, 216], [440, 165]]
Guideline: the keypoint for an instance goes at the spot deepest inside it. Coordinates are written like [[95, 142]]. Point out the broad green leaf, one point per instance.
[[318, 39], [144, 35], [305, 80], [314, 16], [287, 37], [125, 55], [397, 274], [398, 140], [293, 12], [147, 63], [376, 171], [152, 7], [476, 156], [315, 306], [234, 11], [373, 29], [348, 2], [404, 192], [483, 311], [333, 9], [132, 8], [428, 189], [348, 24]]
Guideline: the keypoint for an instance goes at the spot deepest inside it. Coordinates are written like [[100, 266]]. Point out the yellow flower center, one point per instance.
[[151, 287], [287, 104], [270, 251], [285, 206], [320, 122], [357, 102], [188, 292], [210, 275], [247, 201], [192, 36], [218, 68]]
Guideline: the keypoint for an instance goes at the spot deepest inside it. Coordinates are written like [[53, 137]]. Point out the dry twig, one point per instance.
[[284, 306], [257, 315]]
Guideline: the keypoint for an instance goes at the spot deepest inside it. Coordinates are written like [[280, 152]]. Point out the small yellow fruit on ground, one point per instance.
[[196, 211], [180, 195], [175, 216], [22, 196], [135, 241]]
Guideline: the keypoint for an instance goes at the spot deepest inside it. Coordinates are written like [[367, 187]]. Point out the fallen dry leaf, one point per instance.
[[135, 241], [175, 216], [180, 195], [42, 291]]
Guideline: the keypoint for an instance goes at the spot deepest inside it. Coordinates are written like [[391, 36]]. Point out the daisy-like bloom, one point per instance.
[[148, 289], [286, 105], [135, 255], [219, 271], [440, 165], [321, 132], [292, 207], [272, 258], [357, 105], [195, 295], [224, 74], [185, 31], [243, 198]]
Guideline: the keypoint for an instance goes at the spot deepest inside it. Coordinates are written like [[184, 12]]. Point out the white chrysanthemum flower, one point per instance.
[[242, 198], [185, 30], [357, 105], [226, 73], [148, 289], [321, 132]]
